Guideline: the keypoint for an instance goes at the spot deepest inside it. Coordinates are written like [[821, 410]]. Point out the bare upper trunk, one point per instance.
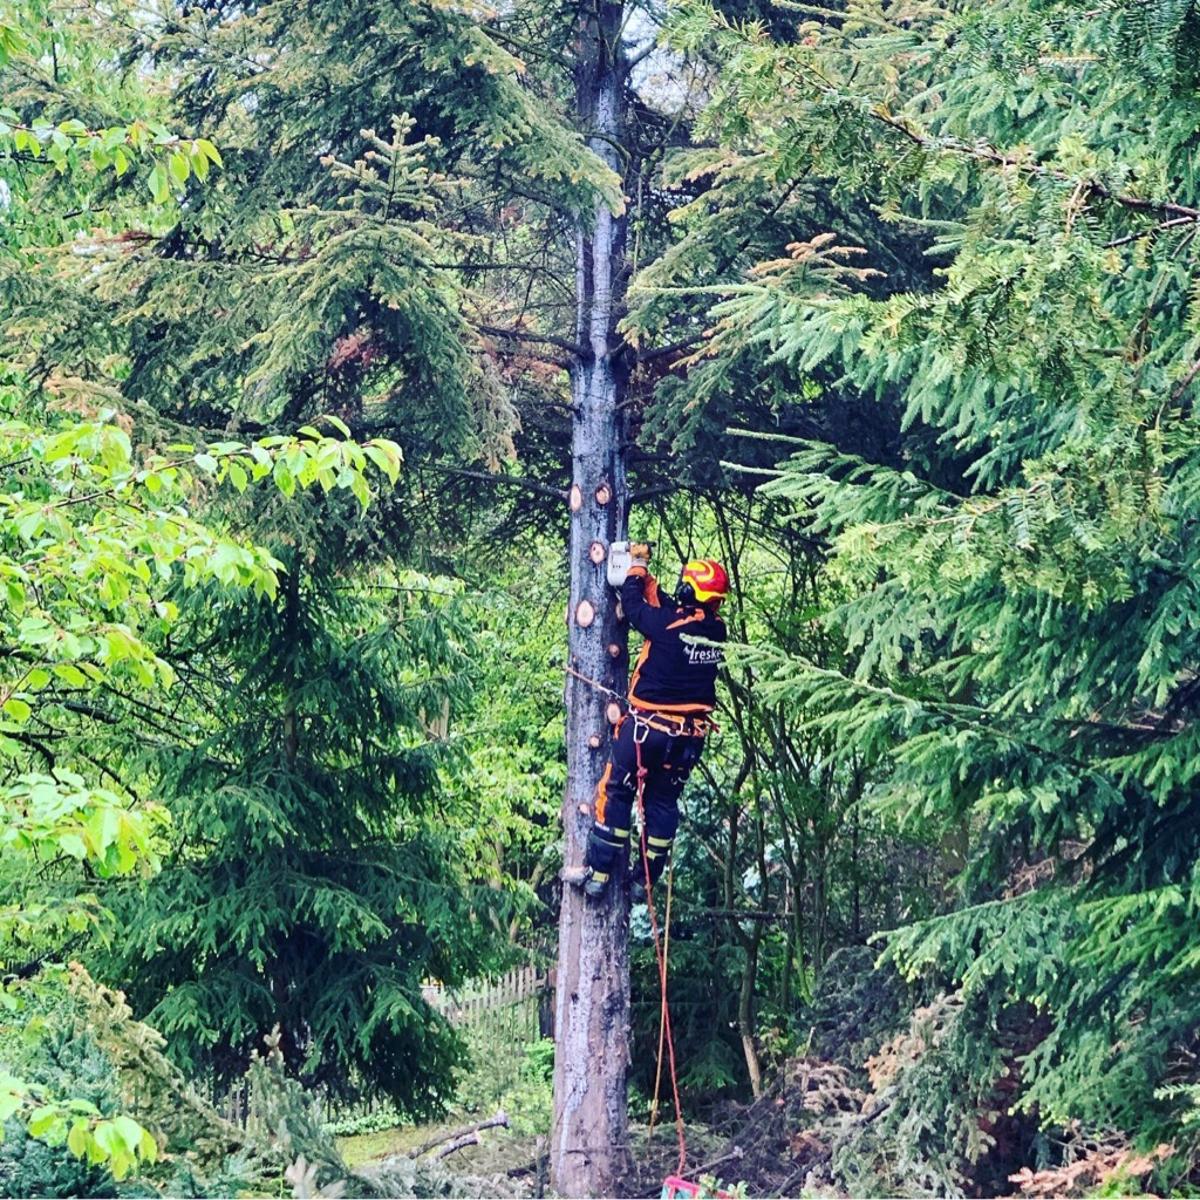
[[588, 1151]]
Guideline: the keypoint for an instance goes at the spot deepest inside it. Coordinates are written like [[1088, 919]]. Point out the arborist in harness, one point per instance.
[[671, 693]]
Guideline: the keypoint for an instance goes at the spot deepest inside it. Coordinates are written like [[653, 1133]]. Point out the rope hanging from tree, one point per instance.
[[661, 943], [661, 946]]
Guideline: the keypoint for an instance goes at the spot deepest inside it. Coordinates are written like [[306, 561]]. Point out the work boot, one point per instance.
[[637, 884], [595, 886]]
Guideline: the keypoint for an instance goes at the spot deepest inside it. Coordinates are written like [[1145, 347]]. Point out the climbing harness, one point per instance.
[[673, 726], [691, 725]]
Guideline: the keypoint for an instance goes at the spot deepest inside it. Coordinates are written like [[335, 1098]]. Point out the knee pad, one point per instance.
[[658, 854], [606, 849]]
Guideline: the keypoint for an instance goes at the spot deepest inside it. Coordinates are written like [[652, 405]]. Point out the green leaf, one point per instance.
[[121, 1164], [12, 1092], [148, 1147], [130, 1132], [106, 1138], [42, 1120], [159, 187], [284, 479], [360, 490], [383, 457], [78, 1138], [209, 150], [72, 844], [69, 673], [179, 167]]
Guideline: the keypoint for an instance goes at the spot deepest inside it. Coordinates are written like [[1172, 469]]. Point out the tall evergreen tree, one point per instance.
[[1022, 615], [317, 877], [319, 275]]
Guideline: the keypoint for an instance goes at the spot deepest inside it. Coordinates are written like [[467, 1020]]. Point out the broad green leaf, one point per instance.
[[78, 1138], [179, 167], [209, 150], [73, 844], [158, 185]]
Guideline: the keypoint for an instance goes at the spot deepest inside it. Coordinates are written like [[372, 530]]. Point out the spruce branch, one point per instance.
[[544, 339]]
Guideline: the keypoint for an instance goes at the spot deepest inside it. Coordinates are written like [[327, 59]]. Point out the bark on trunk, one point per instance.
[[588, 1150], [750, 944]]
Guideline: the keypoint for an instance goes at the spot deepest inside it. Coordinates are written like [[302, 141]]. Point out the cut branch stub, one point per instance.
[[594, 741], [585, 614], [603, 494], [614, 651], [597, 553], [613, 712], [575, 498]]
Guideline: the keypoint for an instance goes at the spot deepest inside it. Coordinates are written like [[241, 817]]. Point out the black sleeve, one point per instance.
[[647, 619]]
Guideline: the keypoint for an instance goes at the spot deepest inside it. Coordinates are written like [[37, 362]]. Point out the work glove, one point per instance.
[[639, 554]]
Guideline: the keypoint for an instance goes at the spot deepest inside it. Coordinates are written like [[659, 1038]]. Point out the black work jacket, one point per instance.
[[671, 675]]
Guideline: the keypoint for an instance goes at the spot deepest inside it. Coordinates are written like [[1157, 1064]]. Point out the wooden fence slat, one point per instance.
[[483, 996]]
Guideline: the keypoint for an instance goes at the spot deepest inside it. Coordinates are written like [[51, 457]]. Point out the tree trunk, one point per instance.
[[588, 1151], [745, 1017]]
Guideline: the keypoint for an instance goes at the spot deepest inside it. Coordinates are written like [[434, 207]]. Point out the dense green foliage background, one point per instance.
[[286, 297]]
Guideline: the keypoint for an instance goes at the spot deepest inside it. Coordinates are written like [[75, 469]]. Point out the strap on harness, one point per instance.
[[672, 726]]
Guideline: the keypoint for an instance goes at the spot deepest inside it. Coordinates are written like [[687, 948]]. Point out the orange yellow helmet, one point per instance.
[[706, 578]]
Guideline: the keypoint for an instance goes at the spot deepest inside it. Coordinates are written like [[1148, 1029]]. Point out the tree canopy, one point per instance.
[[338, 341]]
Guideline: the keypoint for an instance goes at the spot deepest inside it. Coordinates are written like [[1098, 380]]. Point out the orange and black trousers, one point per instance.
[[668, 759]]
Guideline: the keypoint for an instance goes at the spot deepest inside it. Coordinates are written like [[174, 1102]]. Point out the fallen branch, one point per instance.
[[470, 1139], [536, 1163], [705, 1168], [501, 1118]]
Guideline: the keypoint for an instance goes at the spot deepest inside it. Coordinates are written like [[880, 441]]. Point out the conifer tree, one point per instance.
[[317, 878], [317, 276], [1022, 622]]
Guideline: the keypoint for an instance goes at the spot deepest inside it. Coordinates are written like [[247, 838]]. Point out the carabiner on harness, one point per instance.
[[641, 729]]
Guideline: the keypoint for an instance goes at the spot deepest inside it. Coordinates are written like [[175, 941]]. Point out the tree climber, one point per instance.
[[671, 693]]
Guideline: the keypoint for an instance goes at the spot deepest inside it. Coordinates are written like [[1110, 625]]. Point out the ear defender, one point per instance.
[[702, 580]]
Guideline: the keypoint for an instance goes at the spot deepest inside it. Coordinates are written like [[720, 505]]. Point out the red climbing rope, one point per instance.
[[660, 955], [662, 1008]]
